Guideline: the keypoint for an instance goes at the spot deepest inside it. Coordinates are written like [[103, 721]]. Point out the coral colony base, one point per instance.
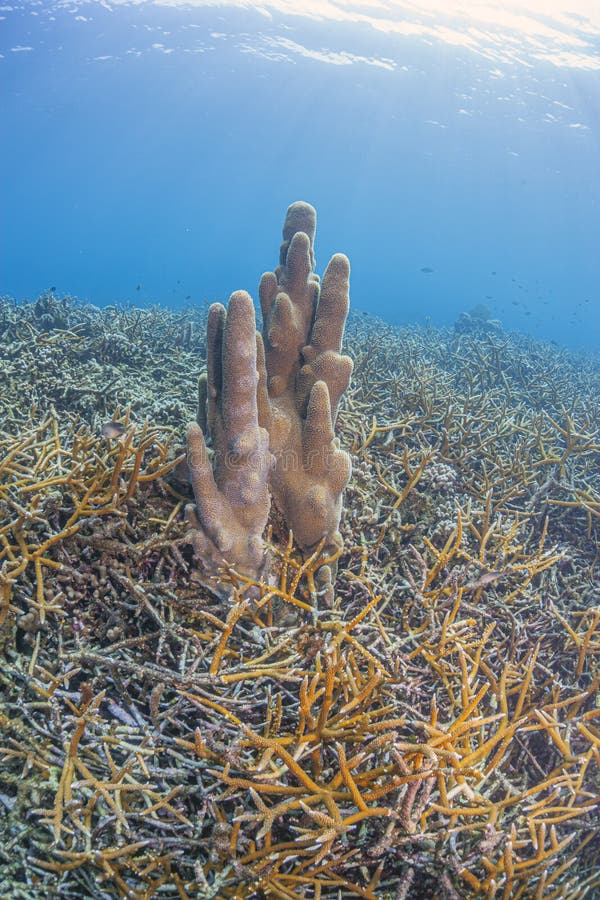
[[191, 707]]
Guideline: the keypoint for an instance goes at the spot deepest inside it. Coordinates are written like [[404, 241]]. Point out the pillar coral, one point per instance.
[[268, 406], [305, 376], [231, 489]]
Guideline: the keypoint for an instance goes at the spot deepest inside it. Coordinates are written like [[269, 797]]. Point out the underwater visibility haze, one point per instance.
[[451, 150], [300, 527]]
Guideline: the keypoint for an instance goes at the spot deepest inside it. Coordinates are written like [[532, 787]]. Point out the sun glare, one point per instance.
[[561, 32]]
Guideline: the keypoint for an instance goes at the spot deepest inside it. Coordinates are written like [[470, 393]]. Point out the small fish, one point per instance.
[[189, 297], [427, 270], [139, 287], [52, 289], [113, 430], [493, 273]]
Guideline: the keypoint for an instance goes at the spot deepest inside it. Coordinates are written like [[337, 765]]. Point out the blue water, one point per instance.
[[149, 152]]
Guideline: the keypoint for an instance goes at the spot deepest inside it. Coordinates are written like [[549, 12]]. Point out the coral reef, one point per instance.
[[96, 359], [478, 321], [433, 735]]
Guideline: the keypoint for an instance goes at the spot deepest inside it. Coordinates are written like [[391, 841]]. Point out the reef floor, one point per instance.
[[435, 733]]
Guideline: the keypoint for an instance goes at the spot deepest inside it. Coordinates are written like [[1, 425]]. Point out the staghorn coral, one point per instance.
[[83, 478], [100, 358], [433, 735]]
